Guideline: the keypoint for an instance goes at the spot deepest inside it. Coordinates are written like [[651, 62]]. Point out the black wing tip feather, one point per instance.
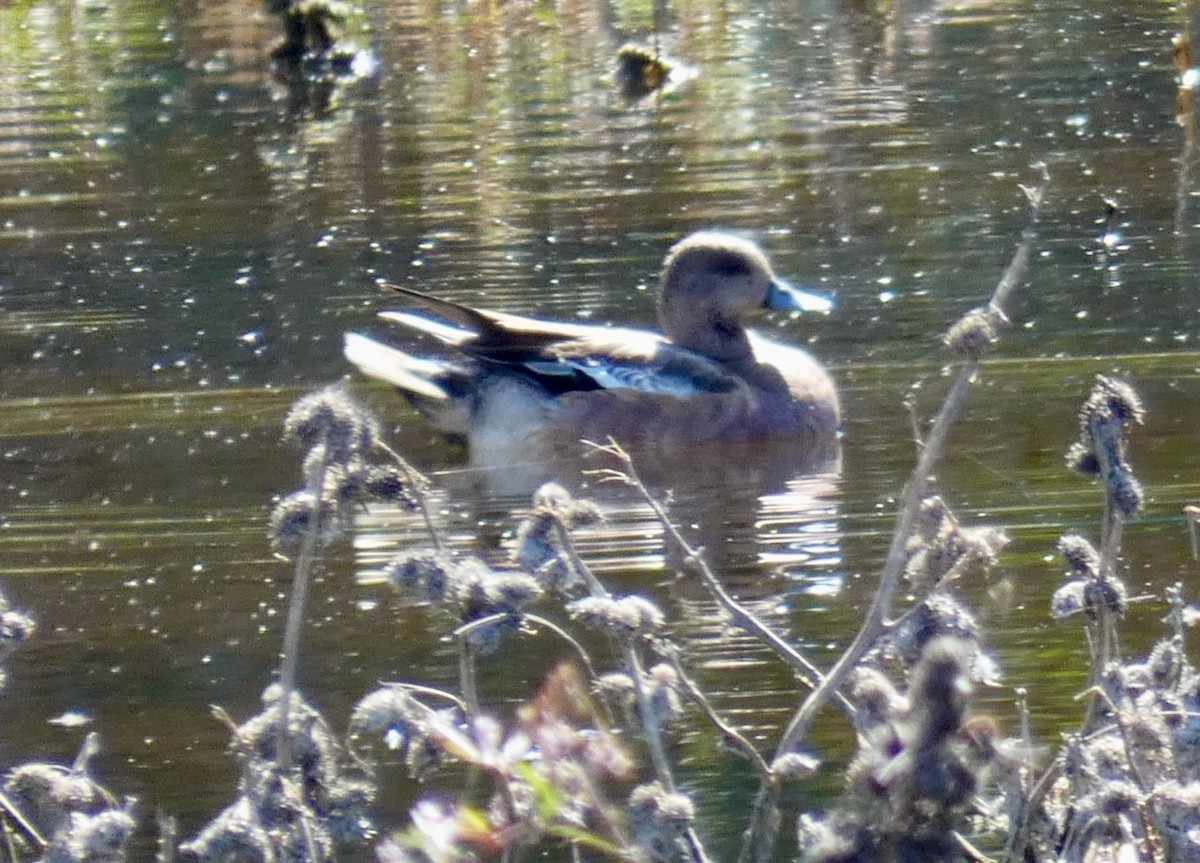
[[448, 310]]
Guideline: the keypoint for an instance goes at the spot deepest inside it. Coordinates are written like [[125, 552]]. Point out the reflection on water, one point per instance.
[[775, 530], [181, 251]]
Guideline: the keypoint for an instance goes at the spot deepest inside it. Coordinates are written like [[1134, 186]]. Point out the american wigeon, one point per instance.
[[704, 378]]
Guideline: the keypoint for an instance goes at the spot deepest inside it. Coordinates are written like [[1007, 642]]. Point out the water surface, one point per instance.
[[183, 243]]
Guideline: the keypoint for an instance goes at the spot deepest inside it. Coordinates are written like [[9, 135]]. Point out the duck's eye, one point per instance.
[[730, 266]]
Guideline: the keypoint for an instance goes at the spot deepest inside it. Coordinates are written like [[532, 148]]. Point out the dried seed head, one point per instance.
[[539, 551], [346, 483], [941, 614], [385, 709], [660, 819], [1105, 758], [972, 334], [1080, 555], [539, 542], [294, 516], [1166, 663], [617, 687], [426, 571], [939, 545], [330, 417], [347, 812], [313, 743], [1113, 398], [939, 690], [1178, 807], [1114, 798], [1089, 596], [1081, 459], [92, 838], [555, 500], [630, 615], [390, 483], [876, 699], [662, 691], [933, 516], [794, 765], [1104, 420], [234, 834], [1108, 593], [47, 794], [480, 591], [1068, 600]]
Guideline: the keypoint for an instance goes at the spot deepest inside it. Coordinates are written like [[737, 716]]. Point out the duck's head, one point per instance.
[[711, 283]]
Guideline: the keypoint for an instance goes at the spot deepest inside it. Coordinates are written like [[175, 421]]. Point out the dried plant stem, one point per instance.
[[759, 840], [1147, 812], [876, 618], [432, 691], [651, 730], [576, 563], [960, 566], [650, 727], [17, 817], [10, 843], [731, 734], [970, 851], [1192, 514], [305, 563], [466, 675], [420, 485], [1026, 790], [1105, 646], [741, 616], [168, 837], [1018, 841], [536, 620]]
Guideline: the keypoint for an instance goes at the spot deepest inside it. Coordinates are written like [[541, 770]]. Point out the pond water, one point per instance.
[[183, 242]]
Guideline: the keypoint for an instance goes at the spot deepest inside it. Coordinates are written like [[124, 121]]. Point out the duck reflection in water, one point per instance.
[[709, 409]]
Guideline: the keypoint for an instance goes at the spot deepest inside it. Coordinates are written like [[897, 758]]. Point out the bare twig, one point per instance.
[[740, 615], [970, 851], [289, 664], [1192, 514], [420, 484], [433, 691], [18, 817], [731, 734], [575, 562], [466, 675], [168, 837], [651, 729], [759, 840], [535, 620], [960, 566]]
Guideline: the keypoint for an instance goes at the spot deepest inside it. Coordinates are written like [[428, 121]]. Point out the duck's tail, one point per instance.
[[414, 375]]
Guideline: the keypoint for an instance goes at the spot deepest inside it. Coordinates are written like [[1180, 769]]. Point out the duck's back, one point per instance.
[[782, 393]]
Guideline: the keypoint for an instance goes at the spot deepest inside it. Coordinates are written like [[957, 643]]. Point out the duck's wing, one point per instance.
[[565, 357], [642, 362], [481, 333]]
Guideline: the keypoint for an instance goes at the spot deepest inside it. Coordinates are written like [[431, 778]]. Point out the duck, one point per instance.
[[510, 381]]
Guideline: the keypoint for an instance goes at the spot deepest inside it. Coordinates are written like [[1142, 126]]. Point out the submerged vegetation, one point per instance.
[[584, 766]]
